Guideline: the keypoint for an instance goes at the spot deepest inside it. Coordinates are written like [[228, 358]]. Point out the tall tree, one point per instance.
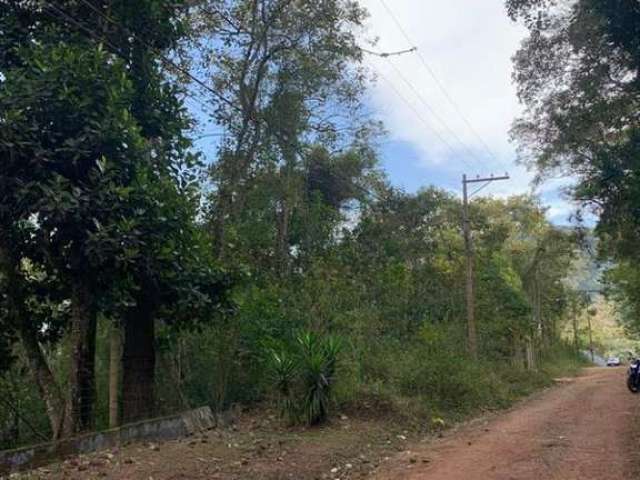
[[577, 75], [97, 162], [287, 76]]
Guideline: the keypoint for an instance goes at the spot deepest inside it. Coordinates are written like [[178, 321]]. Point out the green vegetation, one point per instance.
[[304, 376], [607, 330], [140, 274], [577, 77]]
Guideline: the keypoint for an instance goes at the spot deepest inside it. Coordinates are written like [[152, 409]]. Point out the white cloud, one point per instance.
[[559, 212], [468, 44]]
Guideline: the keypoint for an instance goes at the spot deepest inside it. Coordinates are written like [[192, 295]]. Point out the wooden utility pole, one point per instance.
[[472, 335], [589, 315], [590, 338], [574, 317]]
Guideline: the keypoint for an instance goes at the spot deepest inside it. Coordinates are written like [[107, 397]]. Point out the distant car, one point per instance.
[[613, 362]]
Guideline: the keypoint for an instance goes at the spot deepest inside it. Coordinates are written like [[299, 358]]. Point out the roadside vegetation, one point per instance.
[[144, 271], [577, 76]]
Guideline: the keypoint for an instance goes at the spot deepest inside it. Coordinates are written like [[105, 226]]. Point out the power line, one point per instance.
[[163, 58], [296, 146], [201, 83], [379, 54], [118, 51], [432, 111], [438, 82], [388, 54], [190, 95], [418, 115], [68, 17]]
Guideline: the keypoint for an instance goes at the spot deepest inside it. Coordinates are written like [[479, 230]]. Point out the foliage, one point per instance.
[[99, 193], [595, 136], [304, 375], [107, 217], [577, 77], [433, 377], [284, 368], [289, 79]]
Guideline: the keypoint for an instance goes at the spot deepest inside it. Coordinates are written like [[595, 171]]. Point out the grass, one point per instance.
[[426, 388]]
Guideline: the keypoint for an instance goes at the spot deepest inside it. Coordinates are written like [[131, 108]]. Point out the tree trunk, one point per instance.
[[530, 354], [44, 380], [139, 359], [574, 321], [39, 369], [223, 207], [81, 394], [519, 353], [282, 241], [115, 361]]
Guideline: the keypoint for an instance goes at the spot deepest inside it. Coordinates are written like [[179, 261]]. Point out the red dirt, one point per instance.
[[256, 447], [583, 430]]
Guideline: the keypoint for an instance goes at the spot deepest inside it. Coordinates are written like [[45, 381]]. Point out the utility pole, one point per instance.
[[589, 315], [590, 338], [574, 318], [472, 335]]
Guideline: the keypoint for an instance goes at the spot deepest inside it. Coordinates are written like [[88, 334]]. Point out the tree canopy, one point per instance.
[[143, 272], [577, 75]]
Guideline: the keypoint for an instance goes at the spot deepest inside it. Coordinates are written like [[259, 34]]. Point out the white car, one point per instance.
[[613, 362]]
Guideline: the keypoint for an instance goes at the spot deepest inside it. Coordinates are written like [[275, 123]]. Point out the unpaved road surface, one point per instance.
[[585, 429]]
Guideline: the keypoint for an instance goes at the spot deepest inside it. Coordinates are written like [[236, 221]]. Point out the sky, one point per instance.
[[448, 107]]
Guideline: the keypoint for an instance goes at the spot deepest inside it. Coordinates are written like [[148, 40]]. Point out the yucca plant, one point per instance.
[[283, 367], [318, 368], [303, 377]]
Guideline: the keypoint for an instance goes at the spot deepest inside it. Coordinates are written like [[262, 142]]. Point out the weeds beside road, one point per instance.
[[360, 440]]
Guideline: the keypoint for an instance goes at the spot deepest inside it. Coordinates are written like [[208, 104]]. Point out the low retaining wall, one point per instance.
[[165, 428]]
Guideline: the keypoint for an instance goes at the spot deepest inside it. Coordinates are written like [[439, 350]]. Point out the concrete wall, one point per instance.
[[165, 428]]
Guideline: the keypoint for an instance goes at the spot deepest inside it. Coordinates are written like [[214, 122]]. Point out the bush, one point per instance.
[[284, 372], [303, 375], [431, 375]]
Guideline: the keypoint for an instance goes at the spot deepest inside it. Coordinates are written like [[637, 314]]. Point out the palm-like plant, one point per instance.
[[284, 370], [318, 364], [304, 378]]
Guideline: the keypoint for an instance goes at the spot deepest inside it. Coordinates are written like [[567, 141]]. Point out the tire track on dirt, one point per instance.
[[584, 429]]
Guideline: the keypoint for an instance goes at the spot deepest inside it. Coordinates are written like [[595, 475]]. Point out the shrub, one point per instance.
[[304, 375], [284, 372]]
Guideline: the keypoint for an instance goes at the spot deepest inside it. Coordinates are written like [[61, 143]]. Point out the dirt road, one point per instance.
[[586, 429]]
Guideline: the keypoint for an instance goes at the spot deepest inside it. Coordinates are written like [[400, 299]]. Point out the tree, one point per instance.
[[31, 310], [64, 120], [526, 260], [98, 166], [577, 76], [286, 76]]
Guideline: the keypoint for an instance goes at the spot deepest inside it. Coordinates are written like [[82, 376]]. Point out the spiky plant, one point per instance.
[[284, 370], [318, 367], [303, 376]]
